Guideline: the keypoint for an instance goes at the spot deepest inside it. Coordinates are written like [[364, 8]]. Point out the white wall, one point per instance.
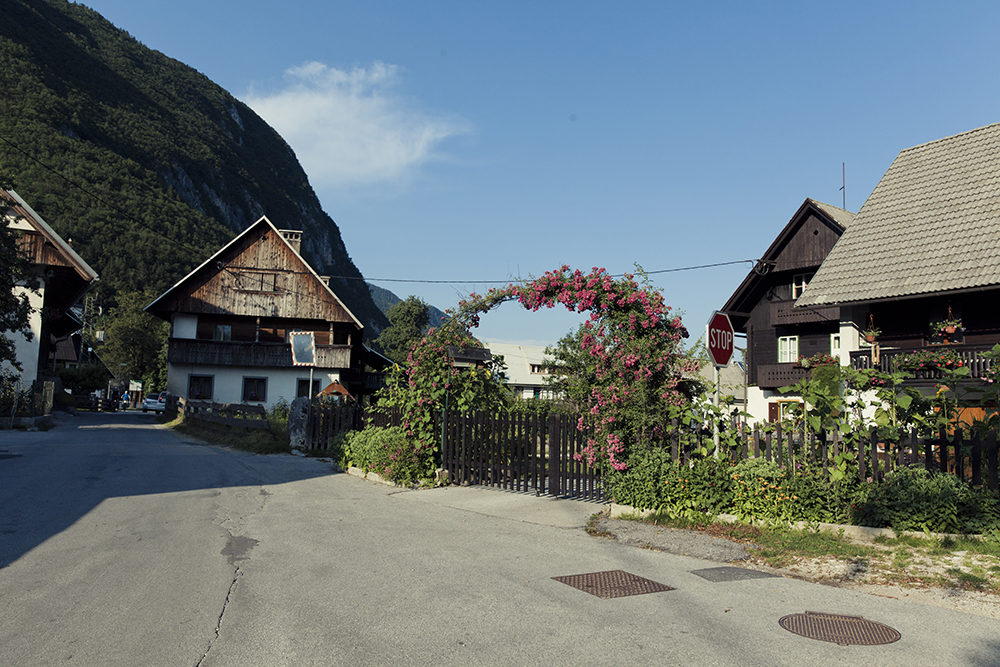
[[228, 381], [27, 351]]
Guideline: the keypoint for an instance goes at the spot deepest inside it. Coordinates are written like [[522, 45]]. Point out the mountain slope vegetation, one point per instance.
[[145, 164]]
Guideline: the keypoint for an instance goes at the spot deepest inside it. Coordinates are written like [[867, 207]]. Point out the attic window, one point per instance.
[[539, 369], [254, 281], [799, 282]]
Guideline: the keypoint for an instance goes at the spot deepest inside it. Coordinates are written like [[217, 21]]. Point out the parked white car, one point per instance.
[[155, 403]]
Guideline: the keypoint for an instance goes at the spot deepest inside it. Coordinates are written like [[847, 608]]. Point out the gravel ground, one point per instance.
[[673, 540], [828, 571]]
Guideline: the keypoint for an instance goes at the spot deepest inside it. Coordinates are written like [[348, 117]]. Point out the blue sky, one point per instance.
[[472, 141]]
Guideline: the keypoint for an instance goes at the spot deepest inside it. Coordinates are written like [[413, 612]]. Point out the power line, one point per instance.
[[521, 280]]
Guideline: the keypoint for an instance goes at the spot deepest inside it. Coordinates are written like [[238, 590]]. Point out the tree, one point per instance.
[[134, 340], [17, 280], [574, 371], [408, 319]]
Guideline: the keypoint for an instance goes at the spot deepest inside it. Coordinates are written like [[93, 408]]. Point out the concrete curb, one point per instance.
[[856, 533]]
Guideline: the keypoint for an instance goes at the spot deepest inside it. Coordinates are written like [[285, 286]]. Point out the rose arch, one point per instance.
[[630, 334]]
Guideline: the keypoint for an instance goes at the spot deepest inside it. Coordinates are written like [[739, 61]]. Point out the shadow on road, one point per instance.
[[49, 480]]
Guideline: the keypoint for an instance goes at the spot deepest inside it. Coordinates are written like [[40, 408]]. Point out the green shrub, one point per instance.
[[920, 500], [765, 492], [654, 481], [387, 451]]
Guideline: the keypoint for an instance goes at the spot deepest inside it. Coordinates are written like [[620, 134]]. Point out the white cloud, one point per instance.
[[348, 128]]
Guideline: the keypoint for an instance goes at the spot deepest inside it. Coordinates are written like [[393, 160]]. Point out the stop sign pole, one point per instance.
[[719, 336]]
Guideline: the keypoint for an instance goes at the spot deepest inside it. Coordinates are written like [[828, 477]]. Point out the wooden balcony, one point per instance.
[[970, 355], [772, 376], [783, 313], [260, 355]]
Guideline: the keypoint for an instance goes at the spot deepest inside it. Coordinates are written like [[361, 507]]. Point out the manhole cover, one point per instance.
[[612, 584], [717, 574], [843, 630]]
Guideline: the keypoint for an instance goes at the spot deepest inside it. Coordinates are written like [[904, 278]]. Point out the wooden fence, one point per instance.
[[530, 453], [972, 459], [326, 422], [518, 452], [228, 414]]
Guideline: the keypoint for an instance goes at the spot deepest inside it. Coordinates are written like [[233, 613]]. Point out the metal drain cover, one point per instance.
[[717, 574], [612, 584], [842, 630]]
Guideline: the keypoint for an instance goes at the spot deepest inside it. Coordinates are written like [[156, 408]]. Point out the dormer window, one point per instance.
[[799, 282]]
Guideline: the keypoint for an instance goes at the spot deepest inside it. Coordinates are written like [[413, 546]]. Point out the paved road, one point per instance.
[[121, 544]]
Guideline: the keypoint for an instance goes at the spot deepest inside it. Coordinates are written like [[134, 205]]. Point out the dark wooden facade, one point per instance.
[[762, 307], [907, 326], [906, 323]]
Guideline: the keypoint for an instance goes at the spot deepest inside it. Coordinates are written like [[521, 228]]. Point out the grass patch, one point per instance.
[[965, 562], [257, 441]]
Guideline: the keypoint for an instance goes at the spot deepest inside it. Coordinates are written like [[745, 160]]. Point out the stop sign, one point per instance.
[[719, 339]]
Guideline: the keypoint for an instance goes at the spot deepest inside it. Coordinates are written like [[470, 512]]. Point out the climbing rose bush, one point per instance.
[[428, 383], [631, 335]]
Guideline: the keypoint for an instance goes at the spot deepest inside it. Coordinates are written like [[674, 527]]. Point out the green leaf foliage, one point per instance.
[[408, 320]]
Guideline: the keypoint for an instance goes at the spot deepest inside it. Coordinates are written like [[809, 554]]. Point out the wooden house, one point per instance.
[[62, 279], [924, 248], [231, 320], [761, 308]]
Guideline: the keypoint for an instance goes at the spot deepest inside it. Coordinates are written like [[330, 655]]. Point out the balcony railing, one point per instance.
[[784, 313], [772, 376], [971, 356], [261, 355]]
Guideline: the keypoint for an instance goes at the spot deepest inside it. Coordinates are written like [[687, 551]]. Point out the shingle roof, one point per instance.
[[931, 225]]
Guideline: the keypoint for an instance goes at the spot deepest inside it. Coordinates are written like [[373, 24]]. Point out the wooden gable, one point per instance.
[[258, 275], [799, 248]]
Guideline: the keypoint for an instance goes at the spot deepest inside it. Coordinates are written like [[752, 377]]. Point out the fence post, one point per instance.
[[977, 460], [991, 458]]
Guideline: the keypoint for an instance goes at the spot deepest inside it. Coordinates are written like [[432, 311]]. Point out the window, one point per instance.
[[253, 281], [254, 390], [788, 349], [200, 387], [785, 409], [223, 332], [302, 388], [835, 345], [539, 369], [799, 282]]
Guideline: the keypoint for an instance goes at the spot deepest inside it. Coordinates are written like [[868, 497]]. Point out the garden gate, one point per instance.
[[518, 452]]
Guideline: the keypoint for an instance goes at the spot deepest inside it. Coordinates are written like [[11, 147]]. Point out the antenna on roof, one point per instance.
[[843, 188]]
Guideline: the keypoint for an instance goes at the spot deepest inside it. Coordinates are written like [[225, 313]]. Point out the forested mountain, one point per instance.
[[171, 165]]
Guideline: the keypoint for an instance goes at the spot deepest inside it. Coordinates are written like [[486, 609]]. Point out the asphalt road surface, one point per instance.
[[122, 544]]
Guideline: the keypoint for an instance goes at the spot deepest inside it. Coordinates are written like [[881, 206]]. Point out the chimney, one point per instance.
[[294, 238]]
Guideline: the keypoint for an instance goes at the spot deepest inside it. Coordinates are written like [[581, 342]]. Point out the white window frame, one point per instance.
[[788, 349], [835, 345], [799, 283]]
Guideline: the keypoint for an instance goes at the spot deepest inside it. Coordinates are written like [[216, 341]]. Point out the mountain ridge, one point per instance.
[[163, 165]]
